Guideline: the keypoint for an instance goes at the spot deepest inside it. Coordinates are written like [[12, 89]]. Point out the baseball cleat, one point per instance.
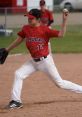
[[14, 105]]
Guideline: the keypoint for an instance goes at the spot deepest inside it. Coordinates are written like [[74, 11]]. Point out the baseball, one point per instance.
[[65, 10]]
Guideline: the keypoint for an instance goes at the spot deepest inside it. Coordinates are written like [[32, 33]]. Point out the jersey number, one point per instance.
[[40, 47]]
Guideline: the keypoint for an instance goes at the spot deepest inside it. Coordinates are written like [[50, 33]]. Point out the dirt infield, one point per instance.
[[40, 96]]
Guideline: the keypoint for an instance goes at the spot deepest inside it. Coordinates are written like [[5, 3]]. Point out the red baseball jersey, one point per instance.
[[37, 39], [46, 16]]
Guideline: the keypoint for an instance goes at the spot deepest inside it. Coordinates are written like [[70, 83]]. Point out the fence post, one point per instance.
[[5, 20]]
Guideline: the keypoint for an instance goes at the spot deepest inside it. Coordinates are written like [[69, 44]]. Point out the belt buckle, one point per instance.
[[42, 58]]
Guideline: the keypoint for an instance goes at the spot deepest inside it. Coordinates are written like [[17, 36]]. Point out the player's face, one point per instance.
[[42, 7], [32, 21]]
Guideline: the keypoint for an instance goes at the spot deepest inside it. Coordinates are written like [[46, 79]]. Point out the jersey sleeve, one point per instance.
[[52, 33], [21, 33], [51, 19], [51, 16]]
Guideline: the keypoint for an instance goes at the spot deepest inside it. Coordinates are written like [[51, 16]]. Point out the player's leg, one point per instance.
[[50, 69], [23, 72], [20, 74]]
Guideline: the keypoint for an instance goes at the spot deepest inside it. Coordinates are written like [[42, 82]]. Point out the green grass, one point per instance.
[[6, 41], [71, 43]]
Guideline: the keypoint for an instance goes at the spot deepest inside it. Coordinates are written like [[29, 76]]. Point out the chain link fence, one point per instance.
[[11, 17]]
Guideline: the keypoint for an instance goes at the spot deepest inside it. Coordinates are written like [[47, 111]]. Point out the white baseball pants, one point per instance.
[[46, 65]]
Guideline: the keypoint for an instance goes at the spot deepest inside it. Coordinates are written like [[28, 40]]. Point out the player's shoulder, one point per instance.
[[25, 27], [44, 28], [48, 11]]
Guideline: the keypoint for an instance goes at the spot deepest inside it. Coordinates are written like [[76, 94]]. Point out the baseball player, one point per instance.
[[46, 18], [46, 15], [37, 37]]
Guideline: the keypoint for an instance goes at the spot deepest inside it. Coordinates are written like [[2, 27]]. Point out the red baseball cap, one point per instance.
[[42, 2], [33, 13]]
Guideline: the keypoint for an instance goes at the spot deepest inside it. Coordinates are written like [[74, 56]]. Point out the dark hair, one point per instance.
[[35, 12]]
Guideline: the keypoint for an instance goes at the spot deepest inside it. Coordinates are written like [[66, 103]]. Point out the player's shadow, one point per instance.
[[53, 101], [30, 104]]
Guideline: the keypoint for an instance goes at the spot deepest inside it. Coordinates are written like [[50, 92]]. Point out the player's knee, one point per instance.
[[17, 74], [60, 84]]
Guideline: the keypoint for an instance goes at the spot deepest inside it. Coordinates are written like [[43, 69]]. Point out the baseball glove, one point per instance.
[[3, 55]]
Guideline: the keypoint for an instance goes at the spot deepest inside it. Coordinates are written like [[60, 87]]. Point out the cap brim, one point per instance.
[[30, 16]]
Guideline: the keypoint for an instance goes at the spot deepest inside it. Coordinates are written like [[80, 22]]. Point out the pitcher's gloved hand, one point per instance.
[[3, 55]]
